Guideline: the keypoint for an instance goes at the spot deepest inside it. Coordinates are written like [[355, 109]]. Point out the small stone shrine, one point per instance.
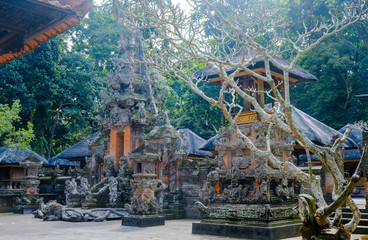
[[28, 202], [246, 192], [245, 196], [149, 160]]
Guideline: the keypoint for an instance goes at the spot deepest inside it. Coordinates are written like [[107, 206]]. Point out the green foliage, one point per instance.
[[58, 91], [338, 63], [188, 110], [342, 75], [9, 135], [97, 36]]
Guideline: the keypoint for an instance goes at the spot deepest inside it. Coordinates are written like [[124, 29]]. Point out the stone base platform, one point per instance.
[[24, 209], [142, 221], [273, 231]]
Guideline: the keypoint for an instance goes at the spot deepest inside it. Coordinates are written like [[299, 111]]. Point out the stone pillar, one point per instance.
[[27, 203], [144, 208], [30, 181]]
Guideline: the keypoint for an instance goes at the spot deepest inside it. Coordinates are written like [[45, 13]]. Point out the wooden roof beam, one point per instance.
[[11, 28], [41, 8]]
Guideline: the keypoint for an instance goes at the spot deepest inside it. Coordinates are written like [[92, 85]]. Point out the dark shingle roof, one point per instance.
[[55, 161], [298, 73], [355, 134], [209, 144], [10, 155], [192, 142], [349, 154], [316, 131], [79, 150]]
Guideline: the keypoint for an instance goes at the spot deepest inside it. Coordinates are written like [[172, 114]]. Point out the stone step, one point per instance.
[[363, 222], [362, 210], [173, 216], [361, 230], [350, 214], [173, 209]]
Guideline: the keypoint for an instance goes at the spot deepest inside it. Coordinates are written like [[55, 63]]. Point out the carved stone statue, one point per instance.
[[72, 195], [282, 189], [159, 193], [53, 211], [262, 191], [113, 190]]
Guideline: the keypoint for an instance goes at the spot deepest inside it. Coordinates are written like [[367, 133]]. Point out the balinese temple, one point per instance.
[[26, 24], [245, 188], [12, 174]]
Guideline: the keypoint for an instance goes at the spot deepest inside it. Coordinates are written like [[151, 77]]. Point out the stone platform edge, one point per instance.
[[142, 221], [248, 232]]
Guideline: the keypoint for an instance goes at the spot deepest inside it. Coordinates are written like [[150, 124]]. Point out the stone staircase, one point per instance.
[[173, 211], [363, 224]]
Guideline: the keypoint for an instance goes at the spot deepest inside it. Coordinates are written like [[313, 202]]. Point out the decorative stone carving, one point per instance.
[[72, 195], [113, 190], [245, 186], [144, 201], [29, 182], [53, 211], [263, 191]]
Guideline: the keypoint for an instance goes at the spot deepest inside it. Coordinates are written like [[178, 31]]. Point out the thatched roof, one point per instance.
[[355, 134], [209, 144], [9, 155], [297, 73], [79, 150], [26, 24], [316, 131], [55, 161], [192, 142], [349, 154]]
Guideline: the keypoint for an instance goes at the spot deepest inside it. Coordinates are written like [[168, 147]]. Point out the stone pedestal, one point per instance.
[[268, 231], [329, 234], [143, 220]]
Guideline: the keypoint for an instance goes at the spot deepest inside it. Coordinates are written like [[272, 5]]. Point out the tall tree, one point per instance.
[[58, 91], [266, 35], [338, 63], [9, 134]]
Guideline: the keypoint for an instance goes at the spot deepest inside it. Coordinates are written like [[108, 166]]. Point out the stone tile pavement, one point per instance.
[[19, 227]]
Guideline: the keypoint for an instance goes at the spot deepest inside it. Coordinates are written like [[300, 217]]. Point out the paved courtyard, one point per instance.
[[14, 227]]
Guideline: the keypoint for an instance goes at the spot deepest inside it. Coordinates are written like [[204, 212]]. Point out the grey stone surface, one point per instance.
[[247, 232], [20, 227]]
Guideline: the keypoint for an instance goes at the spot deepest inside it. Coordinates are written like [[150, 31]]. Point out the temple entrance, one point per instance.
[[116, 146]]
